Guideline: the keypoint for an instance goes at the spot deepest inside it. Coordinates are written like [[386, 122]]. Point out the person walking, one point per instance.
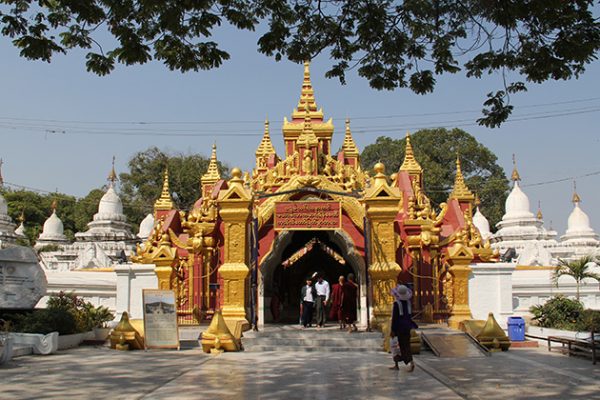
[[337, 294], [323, 292], [349, 297], [402, 324], [308, 294]]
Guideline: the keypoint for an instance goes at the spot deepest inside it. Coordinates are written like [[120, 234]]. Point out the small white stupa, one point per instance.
[[521, 230], [20, 231], [146, 227], [579, 239], [109, 223], [53, 232], [481, 222]]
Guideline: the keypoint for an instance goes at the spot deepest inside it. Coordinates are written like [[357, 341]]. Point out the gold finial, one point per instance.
[[410, 164], [576, 199], [477, 200], [379, 178], [112, 177], [349, 147], [22, 216], [460, 190], [515, 174], [54, 205], [265, 148], [307, 95], [212, 174], [539, 214], [164, 202]]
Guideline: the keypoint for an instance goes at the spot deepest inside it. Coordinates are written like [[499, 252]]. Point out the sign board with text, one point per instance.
[[308, 215], [160, 319]]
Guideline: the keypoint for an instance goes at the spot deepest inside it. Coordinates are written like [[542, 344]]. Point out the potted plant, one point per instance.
[[99, 318]]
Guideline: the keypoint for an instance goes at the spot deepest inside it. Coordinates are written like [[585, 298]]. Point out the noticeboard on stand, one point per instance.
[[160, 319]]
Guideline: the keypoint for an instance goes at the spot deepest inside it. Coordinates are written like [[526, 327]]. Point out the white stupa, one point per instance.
[[481, 222], [109, 223], [146, 227], [53, 232], [580, 239], [107, 241], [522, 230]]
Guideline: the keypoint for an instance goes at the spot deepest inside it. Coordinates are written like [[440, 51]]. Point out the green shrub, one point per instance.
[[66, 313], [589, 320], [46, 321], [559, 312], [74, 305]]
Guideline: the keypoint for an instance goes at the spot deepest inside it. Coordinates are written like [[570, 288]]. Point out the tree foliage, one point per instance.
[[392, 44], [37, 207], [436, 151], [142, 185]]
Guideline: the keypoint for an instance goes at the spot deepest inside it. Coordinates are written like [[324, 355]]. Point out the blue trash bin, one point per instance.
[[516, 329]]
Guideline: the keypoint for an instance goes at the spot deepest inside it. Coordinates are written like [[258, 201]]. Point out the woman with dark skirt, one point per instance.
[[402, 324]]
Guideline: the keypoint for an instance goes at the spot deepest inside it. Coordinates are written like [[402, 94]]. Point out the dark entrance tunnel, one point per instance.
[[289, 279]]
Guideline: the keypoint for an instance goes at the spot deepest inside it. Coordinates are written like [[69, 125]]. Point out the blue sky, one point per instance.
[[251, 86]]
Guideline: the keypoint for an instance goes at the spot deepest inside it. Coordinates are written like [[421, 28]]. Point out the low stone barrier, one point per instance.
[[40, 343], [6, 349]]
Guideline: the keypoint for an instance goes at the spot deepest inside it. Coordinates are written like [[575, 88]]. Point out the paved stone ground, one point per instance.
[[96, 372]]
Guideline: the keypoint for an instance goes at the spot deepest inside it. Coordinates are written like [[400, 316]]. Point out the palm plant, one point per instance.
[[578, 269]]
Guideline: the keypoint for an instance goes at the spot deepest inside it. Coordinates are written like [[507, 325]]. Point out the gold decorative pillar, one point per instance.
[[235, 211], [459, 258], [381, 202]]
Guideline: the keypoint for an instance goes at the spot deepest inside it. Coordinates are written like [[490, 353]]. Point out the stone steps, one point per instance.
[[293, 339]]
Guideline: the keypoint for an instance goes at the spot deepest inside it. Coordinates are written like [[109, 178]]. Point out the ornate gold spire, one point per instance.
[[410, 164], [477, 200], [212, 174], [539, 214], [349, 147], [112, 176], [21, 218], [265, 147], [307, 138], [164, 202], [460, 190], [515, 174], [54, 205], [307, 95], [576, 199]]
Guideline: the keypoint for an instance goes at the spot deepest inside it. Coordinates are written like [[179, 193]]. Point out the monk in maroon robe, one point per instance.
[[335, 313], [349, 296]]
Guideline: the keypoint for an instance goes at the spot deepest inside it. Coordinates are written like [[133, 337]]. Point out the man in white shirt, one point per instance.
[[322, 287], [307, 297]]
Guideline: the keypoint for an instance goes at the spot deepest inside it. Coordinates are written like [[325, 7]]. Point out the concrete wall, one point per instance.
[[490, 290]]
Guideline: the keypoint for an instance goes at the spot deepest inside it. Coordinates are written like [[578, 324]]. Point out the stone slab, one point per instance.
[[22, 279]]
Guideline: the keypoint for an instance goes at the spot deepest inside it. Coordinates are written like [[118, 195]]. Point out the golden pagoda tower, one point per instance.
[[461, 192], [351, 153], [212, 175], [164, 202], [265, 150], [410, 163], [308, 146], [293, 129]]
